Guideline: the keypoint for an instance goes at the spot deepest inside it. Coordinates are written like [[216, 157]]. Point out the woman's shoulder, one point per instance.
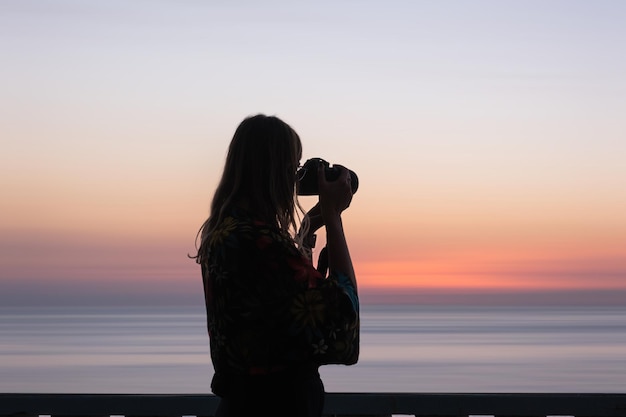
[[234, 225], [239, 225]]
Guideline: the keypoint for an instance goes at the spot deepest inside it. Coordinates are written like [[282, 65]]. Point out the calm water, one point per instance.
[[403, 349]]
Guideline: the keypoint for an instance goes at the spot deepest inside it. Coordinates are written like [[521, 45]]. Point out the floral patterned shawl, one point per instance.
[[268, 308]]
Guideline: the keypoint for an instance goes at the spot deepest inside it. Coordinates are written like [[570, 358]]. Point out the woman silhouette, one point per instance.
[[272, 317]]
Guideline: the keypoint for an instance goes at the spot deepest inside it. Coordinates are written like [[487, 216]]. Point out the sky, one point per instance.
[[489, 139]]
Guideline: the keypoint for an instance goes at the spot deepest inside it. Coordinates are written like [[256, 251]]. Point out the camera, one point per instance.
[[307, 177]]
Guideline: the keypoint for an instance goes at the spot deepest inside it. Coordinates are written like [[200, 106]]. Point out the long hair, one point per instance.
[[260, 169]]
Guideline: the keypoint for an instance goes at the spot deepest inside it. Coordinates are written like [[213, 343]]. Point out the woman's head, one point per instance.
[[259, 173], [260, 168]]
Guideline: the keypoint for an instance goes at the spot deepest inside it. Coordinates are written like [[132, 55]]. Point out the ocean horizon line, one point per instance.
[[368, 297]]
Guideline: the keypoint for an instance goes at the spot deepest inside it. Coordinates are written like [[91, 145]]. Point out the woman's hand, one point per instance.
[[335, 196], [315, 219]]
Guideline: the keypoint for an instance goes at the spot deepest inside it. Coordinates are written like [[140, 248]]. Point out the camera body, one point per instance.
[[307, 176]]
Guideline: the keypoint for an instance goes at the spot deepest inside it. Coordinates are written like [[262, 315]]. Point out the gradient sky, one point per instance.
[[489, 138]]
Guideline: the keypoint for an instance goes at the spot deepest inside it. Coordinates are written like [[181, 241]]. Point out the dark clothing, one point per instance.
[[272, 318], [277, 395]]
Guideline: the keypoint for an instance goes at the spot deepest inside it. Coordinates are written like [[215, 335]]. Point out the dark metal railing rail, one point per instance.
[[337, 404]]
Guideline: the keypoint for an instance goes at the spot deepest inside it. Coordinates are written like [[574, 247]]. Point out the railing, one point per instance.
[[336, 404]]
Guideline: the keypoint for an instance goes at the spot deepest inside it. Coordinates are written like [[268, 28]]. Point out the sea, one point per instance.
[[404, 348]]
